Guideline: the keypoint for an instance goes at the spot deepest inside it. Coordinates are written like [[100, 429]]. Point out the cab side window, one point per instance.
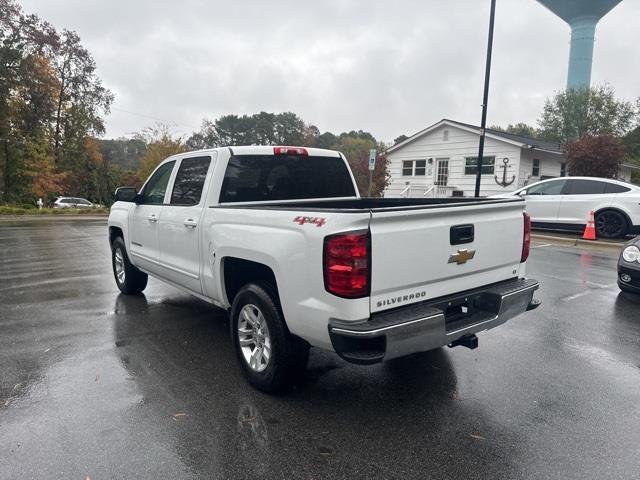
[[156, 186], [187, 188], [584, 187], [548, 188]]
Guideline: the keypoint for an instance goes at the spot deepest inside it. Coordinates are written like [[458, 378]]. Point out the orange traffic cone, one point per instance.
[[590, 230]]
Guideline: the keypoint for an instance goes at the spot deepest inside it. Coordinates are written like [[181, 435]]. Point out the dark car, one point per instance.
[[629, 267]]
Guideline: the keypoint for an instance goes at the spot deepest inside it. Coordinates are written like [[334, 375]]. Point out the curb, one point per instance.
[[579, 242]]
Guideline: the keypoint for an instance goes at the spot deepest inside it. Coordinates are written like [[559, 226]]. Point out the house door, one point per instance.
[[442, 171]]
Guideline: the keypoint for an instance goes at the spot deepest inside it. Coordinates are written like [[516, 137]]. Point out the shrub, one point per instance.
[[595, 156]]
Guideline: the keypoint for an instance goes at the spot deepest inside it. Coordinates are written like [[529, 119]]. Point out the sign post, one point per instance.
[[372, 166]]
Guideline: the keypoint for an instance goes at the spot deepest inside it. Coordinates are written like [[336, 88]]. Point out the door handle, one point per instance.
[[190, 223], [153, 218]]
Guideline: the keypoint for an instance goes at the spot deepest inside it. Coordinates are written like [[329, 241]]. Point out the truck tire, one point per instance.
[[128, 278], [272, 359]]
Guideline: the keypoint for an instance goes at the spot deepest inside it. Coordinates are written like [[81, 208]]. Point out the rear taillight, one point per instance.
[[290, 151], [347, 260], [526, 241]]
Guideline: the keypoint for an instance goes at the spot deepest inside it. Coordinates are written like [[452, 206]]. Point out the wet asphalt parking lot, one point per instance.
[[100, 385]]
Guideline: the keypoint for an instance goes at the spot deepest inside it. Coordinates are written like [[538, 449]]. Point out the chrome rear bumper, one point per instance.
[[432, 324]]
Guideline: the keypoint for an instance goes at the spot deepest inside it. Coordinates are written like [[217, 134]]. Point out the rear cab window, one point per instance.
[[259, 178]]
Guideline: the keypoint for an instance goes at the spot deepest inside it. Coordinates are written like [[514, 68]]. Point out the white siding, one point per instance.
[[624, 174], [460, 144], [549, 165]]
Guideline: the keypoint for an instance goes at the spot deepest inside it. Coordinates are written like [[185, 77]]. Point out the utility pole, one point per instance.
[[485, 98]]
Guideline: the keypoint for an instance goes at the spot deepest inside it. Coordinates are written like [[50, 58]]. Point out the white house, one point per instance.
[[441, 159]]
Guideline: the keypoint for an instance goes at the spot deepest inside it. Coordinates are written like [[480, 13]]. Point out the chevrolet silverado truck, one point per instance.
[[281, 239]]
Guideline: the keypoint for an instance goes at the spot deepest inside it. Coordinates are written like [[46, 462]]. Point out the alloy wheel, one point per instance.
[[254, 338]]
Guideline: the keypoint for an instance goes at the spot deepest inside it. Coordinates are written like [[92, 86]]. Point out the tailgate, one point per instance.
[[413, 258]]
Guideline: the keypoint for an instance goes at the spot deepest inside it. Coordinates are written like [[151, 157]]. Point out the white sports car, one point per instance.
[[564, 203]]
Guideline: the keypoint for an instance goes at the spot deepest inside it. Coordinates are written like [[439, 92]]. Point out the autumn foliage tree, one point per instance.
[[356, 146], [40, 169], [595, 156], [51, 102], [160, 145]]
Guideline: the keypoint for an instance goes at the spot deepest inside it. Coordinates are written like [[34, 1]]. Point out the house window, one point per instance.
[[445, 135], [535, 171], [563, 169], [471, 165], [409, 171]]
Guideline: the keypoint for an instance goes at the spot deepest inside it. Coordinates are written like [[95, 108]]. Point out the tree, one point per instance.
[[586, 111], [160, 145], [45, 181], [631, 143], [311, 133], [124, 152], [51, 102], [595, 156], [24, 42], [326, 140], [399, 139], [356, 146], [519, 128], [259, 129], [81, 99]]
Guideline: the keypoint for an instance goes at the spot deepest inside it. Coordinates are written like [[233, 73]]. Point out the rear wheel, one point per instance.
[[611, 224], [271, 358], [129, 279]]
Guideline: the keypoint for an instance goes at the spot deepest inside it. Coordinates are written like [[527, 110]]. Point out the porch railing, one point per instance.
[[430, 191]]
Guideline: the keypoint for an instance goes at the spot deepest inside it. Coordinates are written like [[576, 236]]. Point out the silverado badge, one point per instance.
[[462, 256]]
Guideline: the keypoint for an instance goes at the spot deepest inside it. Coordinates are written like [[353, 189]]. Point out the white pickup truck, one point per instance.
[[280, 238]]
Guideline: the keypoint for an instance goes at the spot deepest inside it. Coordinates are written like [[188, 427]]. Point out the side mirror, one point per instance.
[[126, 194], [522, 193]]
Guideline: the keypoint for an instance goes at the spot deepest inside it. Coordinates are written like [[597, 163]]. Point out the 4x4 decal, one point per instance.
[[317, 221]]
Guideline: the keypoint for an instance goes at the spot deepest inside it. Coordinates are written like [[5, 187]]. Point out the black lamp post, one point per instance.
[[485, 99]]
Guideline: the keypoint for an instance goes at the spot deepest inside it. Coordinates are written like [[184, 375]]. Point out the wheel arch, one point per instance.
[[617, 210], [115, 232], [237, 272]]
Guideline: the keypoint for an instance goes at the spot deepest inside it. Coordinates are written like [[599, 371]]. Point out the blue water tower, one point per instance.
[[582, 16]]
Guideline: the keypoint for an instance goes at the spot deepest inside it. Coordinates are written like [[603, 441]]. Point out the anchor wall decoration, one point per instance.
[[504, 181]]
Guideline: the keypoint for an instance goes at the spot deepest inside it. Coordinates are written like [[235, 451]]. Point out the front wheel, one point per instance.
[[128, 278], [271, 358], [611, 224]]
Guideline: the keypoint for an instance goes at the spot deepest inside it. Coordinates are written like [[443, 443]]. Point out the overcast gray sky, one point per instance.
[[388, 67]]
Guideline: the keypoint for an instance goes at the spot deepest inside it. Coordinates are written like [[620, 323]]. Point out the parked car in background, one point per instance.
[[564, 204], [72, 202], [629, 267]]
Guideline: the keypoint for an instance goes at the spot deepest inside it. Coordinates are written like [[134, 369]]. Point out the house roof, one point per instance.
[[520, 140]]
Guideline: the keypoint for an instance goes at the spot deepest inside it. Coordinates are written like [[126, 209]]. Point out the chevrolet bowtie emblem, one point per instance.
[[462, 256]]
